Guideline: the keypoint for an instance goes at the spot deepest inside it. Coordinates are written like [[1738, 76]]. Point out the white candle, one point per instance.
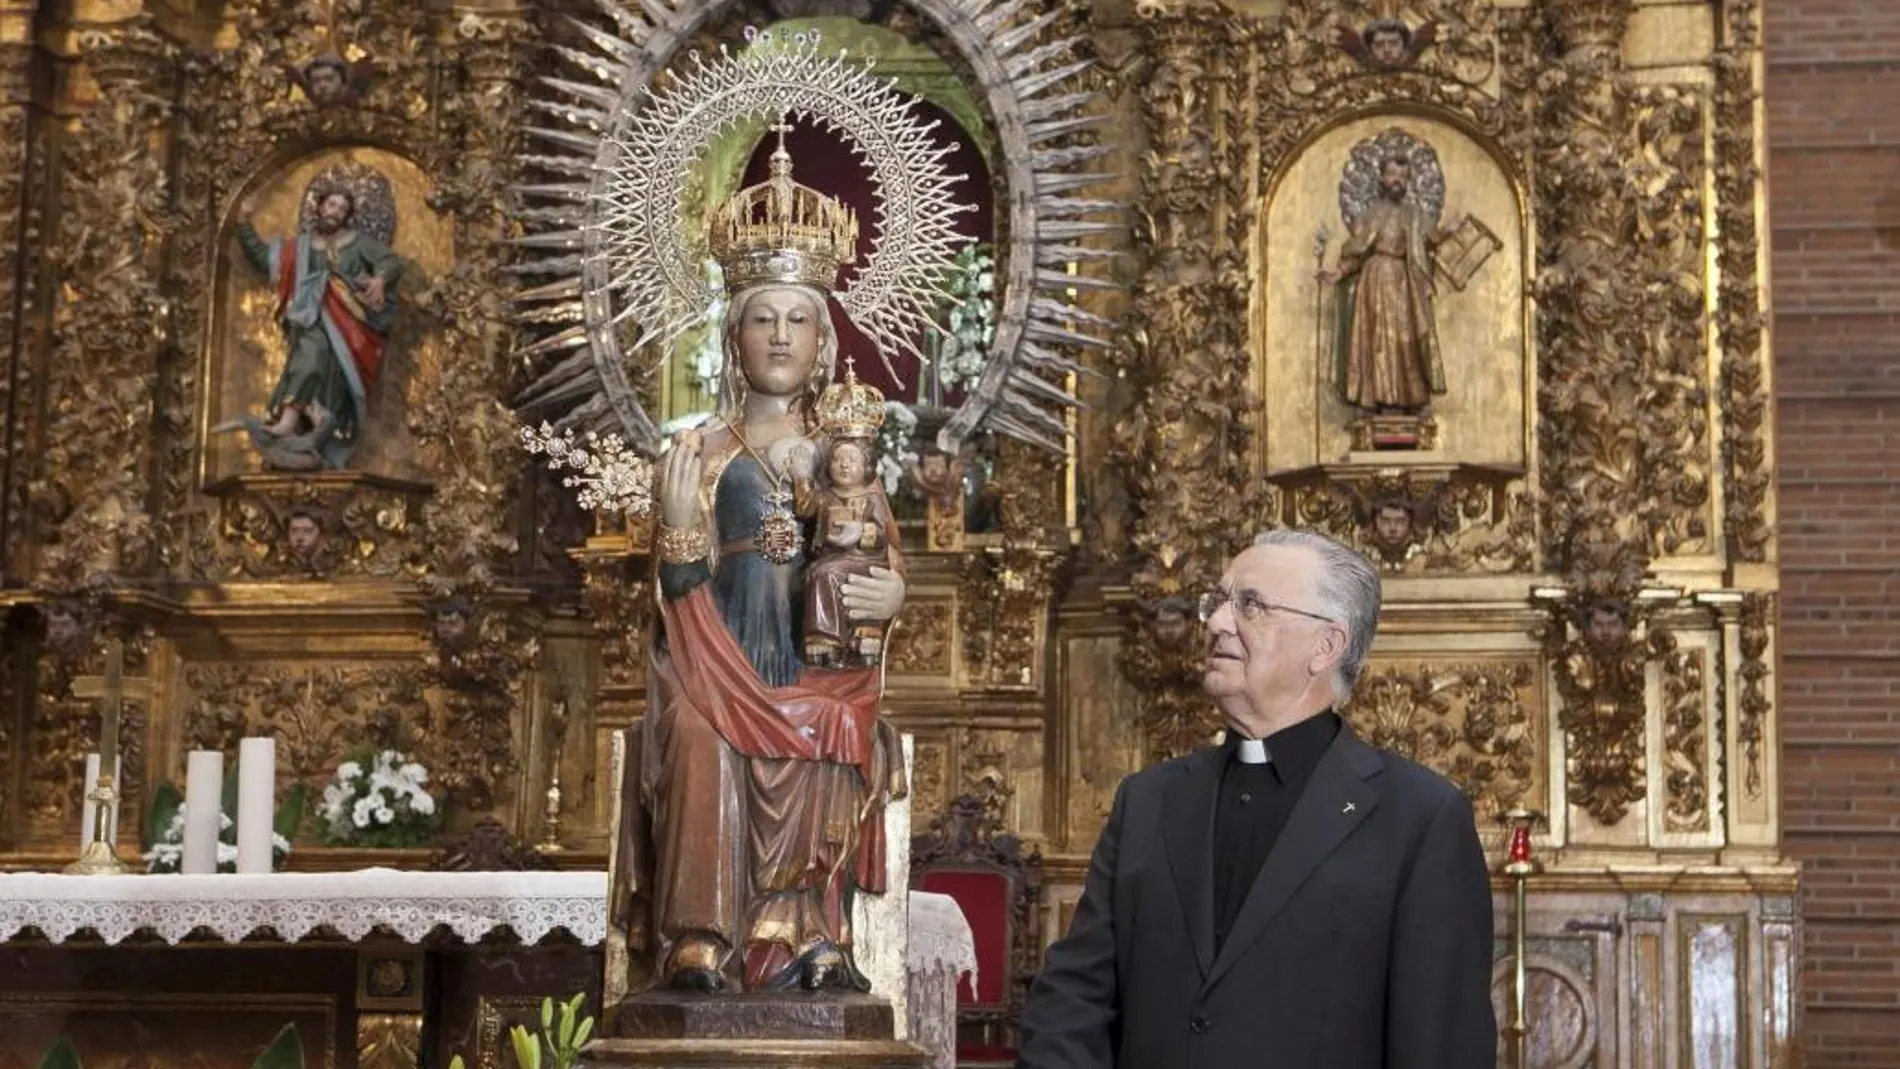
[[257, 788], [89, 807], [204, 790]]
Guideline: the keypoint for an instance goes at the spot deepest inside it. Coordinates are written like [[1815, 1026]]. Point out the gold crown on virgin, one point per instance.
[[851, 409], [780, 231]]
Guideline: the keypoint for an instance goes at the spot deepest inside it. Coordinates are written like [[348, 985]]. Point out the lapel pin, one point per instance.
[[1349, 808]]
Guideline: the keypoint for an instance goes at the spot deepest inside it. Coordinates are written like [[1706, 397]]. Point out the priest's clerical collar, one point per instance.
[[1292, 751]]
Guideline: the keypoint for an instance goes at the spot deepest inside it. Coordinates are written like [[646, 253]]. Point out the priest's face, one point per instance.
[[1265, 660], [779, 340]]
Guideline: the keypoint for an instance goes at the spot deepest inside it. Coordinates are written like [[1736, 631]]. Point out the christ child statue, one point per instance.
[[854, 531]]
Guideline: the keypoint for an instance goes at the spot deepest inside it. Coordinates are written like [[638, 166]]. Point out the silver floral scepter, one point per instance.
[[610, 476]]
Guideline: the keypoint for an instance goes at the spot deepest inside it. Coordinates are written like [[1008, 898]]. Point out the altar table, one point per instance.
[[391, 919]]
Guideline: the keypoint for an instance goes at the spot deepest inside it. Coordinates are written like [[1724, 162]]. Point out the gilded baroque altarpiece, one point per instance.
[[1476, 286]]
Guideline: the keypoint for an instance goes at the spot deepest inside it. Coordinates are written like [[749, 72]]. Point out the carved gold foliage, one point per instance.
[[1685, 738], [619, 598], [388, 1040], [1309, 75], [1466, 519], [21, 163], [1005, 591], [1755, 701], [1185, 441], [458, 418], [365, 527], [1003, 597], [1475, 723], [110, 322], [1599, 650], [1619, 292], [930, 778], [480, 676], [1740, 319], [921, 645], [319, 715]]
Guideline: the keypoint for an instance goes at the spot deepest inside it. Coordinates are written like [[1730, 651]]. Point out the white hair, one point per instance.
[[1349, 587]]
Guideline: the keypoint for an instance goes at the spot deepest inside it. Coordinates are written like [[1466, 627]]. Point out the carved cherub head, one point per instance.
[[331, 81], [1392, 525], [451, 623], [69, 628], [303, 534], [1605, 623], [1388, 44]]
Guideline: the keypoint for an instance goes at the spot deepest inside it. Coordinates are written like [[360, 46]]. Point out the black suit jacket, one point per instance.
[[1365, 942]]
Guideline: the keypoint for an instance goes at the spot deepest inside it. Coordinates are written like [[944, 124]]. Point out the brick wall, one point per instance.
[[1834, 184]]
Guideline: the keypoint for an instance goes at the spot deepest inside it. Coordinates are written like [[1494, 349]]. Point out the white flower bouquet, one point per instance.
[[380, 800]]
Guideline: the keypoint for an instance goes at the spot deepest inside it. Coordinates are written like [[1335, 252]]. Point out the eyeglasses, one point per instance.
[[1249, 606]]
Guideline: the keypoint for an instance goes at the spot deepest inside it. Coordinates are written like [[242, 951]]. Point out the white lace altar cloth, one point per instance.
[[294, 904], [940, 951], [941, 954]]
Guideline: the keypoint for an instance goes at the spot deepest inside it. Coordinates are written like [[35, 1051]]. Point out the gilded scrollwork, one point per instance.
[[282, 526], [1599, 639], [1185, 443], [319, 715], [1740, 319], [111, 322], [1473, 722], [1754, 701], [922, 645], [19, 194], [1410, 520], [1685, 735], [618, 596]]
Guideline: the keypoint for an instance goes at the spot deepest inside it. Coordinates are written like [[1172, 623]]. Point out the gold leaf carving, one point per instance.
[[1475, 723], [1686, 741], [1599, 646], [388, 1040], [1461, 519], [1185, 444], [110, 323], [1754, 703], [272, 525], [318, 715], [1740, 319], [921, 646]]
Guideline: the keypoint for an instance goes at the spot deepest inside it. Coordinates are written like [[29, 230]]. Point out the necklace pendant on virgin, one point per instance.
[[780, 538]]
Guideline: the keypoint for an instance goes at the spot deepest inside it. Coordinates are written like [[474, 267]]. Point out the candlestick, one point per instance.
[[257, 789], [89, 808], [204, 812], [101, 855], [1520, 866]]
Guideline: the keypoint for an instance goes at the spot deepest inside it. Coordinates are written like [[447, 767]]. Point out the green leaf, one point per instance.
[[456, 1062], [284, 1052], [228, 799], [547, 1014], [527, 1050], [166, 798], [586, 1029], [61, 1055], [291, 810]]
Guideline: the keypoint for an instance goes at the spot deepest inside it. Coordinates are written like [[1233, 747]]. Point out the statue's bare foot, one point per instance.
[[694, 965]]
